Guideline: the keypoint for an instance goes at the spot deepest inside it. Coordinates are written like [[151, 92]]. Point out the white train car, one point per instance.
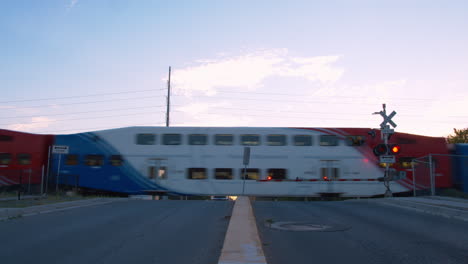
[[209, 161]]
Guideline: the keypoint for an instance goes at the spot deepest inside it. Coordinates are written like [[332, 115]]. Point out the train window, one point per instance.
[[330, 173], [198, 139], [224, 139], [71, 159], [406, 162], [277, 174], [197, 173], [252, 174], [115, 160], [6, 138], [276, 140], [250, 140], [23, 158], [172, 139], [223, 174], [161, 174], [302, 140], [328, 140], [146, 139], [5, 158], [94, 160], [355, 140]]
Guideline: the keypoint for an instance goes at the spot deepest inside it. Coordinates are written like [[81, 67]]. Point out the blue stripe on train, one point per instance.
[[123, 178]]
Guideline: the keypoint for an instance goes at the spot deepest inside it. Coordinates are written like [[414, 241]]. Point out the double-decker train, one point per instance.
[[210, 161]]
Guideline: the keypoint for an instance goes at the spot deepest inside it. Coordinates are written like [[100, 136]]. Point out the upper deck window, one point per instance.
[[276, 140], [302, 140], [197, 173], [6, 138], [115, 160], [277, 174], [328, 140], [406, 162], [355, 140], [5, 158], [94, 160], [71, 159], [224, 139], [198, 139], [250, 140], [146, 139], [223, 174], [252, 174], [172, 139], [24, 158]]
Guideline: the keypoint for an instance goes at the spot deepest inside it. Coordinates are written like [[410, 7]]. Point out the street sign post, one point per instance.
[[59, 149], [245, 161], [387, 159]]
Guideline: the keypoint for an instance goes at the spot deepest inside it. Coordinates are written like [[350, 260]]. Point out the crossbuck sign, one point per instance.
[[387, 120]]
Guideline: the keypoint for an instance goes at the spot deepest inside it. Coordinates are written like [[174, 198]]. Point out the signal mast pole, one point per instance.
[[168, 97], [385, 133]]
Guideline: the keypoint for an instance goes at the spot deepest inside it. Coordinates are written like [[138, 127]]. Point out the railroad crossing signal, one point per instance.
[[387, 119]]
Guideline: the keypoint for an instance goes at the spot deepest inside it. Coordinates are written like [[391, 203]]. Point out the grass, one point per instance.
[[39, 201], [453, 193]]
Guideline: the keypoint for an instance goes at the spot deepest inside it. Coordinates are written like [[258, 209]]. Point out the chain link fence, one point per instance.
[[26, 181], [435, 172]]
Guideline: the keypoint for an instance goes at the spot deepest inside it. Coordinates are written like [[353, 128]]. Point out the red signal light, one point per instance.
[[380, 149], [395, 149], [269, 178]]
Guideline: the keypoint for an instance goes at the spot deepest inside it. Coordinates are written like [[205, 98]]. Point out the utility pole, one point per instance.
[[168, 97]]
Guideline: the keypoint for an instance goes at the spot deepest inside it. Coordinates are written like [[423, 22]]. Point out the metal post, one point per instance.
[[42, 181], [414, 178], [58, 175], [243, 183], [29, 181], [168, 97], [431, 175], [20, 184], [48, 171]]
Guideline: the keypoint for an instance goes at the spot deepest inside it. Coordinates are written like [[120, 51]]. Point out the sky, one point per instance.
[[70, 66]]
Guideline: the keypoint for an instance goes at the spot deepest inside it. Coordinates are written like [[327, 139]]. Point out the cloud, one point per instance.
[[205, 114], [71, 4], [36, 123], [248, 71]]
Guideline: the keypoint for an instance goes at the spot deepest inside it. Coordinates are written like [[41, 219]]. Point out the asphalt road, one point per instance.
[[358, 232], [120, 232]]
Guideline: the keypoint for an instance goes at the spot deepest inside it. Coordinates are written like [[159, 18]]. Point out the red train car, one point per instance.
[[22, 157], [415, 153]]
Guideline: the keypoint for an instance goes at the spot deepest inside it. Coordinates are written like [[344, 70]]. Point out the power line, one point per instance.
[[91, 102], [78, 96], [70, 119], [293, 101], [95, 111], [333, 96], [94, 128]]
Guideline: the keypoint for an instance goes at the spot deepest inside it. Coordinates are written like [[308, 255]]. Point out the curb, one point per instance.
[[242, 243], [440, 210], [10, 213]]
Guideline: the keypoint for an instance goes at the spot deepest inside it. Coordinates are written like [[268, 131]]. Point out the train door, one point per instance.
[[329, 173], [157, 169]]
